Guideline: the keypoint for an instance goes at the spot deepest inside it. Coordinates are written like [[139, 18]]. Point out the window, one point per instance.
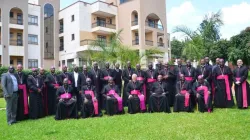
[[63, 62], [33, 39], [33, 63], [110, 21], [46, 30], [11, 35], [73, 37], [72, 18], [33, 20], [11, 14], [11, 62], [101, 38], [123, 1], [19, 61], [61, 48], [47, 45]]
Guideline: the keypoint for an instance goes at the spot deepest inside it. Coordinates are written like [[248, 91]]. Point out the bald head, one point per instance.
[[222, 62], [134, 77], [239, 62], [11, 69], [19, 68], [138, 66]]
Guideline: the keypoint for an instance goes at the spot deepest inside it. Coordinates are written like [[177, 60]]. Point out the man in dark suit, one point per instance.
[[118, 76], [10, 89]]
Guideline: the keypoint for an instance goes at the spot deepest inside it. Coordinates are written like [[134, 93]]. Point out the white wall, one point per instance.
[[69, 29], [34, 50]]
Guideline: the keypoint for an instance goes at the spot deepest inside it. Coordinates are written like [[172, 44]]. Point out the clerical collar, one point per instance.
[[203, 66]]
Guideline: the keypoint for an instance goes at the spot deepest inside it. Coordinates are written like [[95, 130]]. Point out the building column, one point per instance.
[[143, 60], [155, 39]]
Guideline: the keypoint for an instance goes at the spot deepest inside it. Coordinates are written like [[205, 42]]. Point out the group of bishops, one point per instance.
[[68, 94]]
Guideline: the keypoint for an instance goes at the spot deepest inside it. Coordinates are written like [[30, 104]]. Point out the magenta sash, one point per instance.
[[151, 80], [184, 92], [144, 86], [244, 92], [141, 97], [189, 79], [225, 77], [25, 98], [118, 98], [107, 77], [95, 103], [205, 89], [56, 85], [66, 96]]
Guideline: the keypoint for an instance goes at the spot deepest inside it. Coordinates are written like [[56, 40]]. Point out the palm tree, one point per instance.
[[114, 51], [199, 43]]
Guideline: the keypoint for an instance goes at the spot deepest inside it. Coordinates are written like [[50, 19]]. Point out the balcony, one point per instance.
[[149, 42], [16, 50], [134, 23], [16, 21], [16, 42], [160, 44], [135, 42], [103, 28], [103, 9], [154, 25], [87, 43]]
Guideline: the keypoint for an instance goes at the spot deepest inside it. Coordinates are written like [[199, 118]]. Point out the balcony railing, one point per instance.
[[160, 44], [149, 42], [16, 21], [103, 24], [33, 43], [134, 23], [135, 42], [93, 42], [16, 42], [154, 25], [61, 30]]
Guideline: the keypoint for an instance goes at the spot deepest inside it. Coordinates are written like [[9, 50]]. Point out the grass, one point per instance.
[[221, 124]]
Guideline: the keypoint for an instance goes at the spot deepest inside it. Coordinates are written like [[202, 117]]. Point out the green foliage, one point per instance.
[[220, 50], [114, 51], [200, 42], [240, 47], [177, 48], [219, 125]]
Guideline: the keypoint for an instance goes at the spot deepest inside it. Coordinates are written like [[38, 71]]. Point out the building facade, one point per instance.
[[36, 33]]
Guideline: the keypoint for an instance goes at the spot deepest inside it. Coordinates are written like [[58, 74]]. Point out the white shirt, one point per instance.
[[76, 78]]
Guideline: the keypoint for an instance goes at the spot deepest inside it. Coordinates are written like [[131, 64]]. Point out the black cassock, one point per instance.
[[158, 101], [112, 102], [22, 108], [105, 75], [202, 105], [67, 108], [82, 80], [178, 71], [183, 101], [95, 76], [126, 76], [52, 80], [171, 82], [134, 102], [151, 78], [204, 71], [241, 91], [44, 93], [64, 75], [222, 98], [118, 78], [87, 109], [35, 98]]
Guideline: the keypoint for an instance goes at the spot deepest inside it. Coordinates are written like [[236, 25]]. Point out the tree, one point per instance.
[[220, 50], [114, 51], [200, 42], [177, 48], [240, 47]]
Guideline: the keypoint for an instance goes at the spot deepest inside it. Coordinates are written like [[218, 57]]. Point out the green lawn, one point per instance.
[[222, 124]]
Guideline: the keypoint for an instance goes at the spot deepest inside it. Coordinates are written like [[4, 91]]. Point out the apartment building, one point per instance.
[[36, 33]]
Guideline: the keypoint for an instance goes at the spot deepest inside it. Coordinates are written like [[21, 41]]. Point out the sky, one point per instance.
[[235, 14]]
